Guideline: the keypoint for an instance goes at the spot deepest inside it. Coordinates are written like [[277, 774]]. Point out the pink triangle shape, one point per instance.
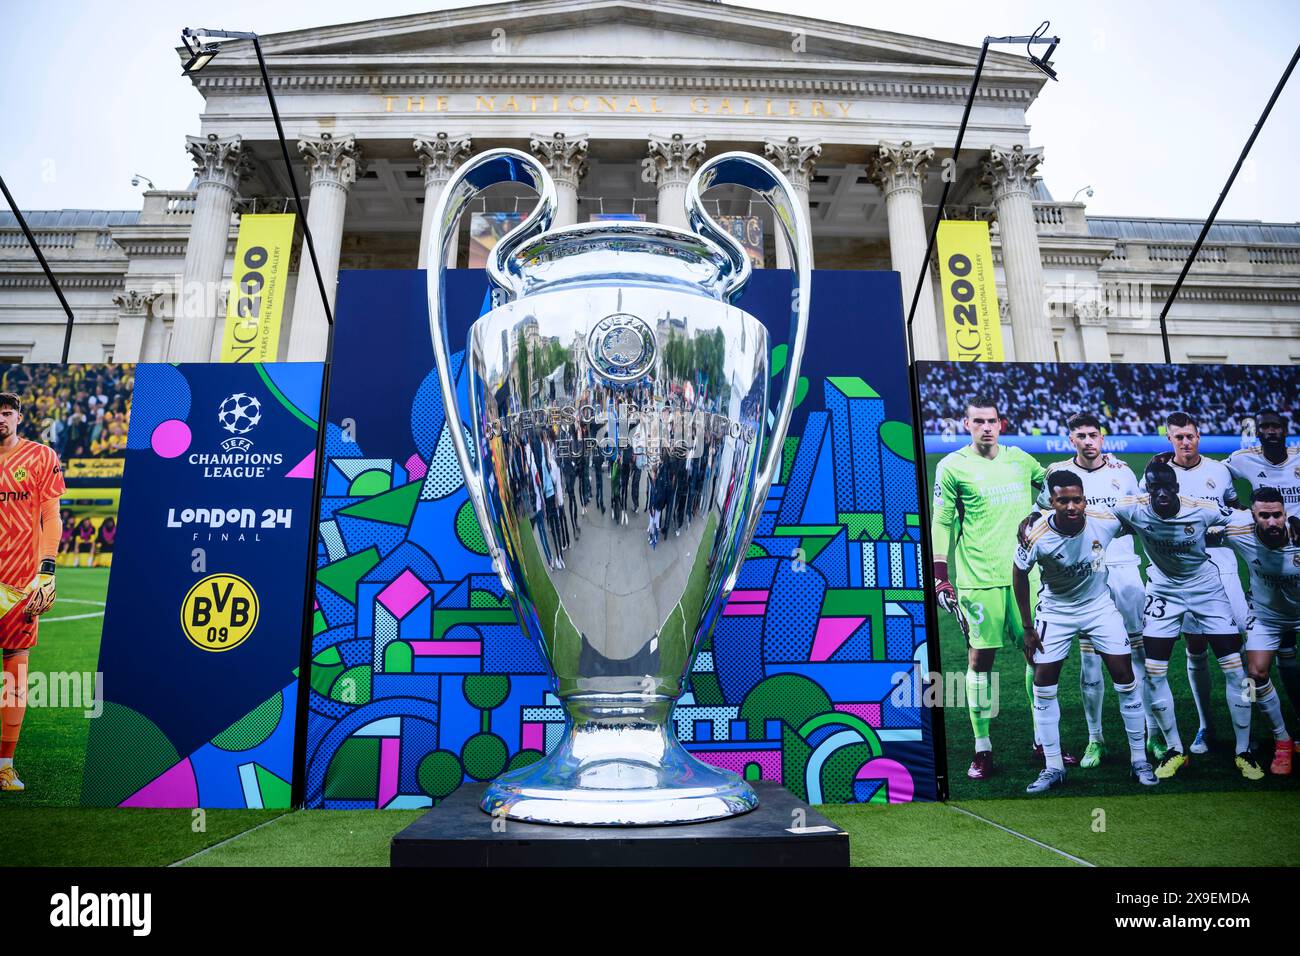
[[831, 634], [175, 788], [305, 468]]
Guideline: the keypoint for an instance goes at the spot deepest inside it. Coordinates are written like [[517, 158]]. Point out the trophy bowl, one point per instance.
[[619, 453]]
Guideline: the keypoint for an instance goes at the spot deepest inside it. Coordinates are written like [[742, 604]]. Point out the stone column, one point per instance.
[[899, 170], [439, 158], [796, 158], [332, 166], [132, 320], [154, 347], [671, 163], [1009, 173], [219, 164], [1091, 318], [1008, 333], [565, 157]]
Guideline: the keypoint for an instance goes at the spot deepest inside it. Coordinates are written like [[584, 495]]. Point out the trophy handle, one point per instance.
[[486, 169], [745, 169]]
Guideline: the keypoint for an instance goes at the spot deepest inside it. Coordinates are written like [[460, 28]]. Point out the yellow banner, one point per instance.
[[256, 301], [970, 292], [75, 468]]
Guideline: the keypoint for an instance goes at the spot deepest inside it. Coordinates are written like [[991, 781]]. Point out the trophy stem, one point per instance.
[[619, 764]]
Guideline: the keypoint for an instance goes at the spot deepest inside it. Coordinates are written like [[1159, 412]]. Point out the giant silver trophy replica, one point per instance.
[[619, 411]]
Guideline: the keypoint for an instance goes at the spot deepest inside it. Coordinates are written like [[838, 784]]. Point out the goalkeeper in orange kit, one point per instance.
[[31, 482]]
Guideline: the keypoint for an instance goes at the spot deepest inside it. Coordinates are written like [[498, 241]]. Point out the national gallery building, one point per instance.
[[622, 100]]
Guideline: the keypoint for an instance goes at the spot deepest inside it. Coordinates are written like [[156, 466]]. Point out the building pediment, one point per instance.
[[628, 33]]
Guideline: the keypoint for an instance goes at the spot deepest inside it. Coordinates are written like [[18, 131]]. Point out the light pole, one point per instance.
[[49, 273], [1044, 63], [1232, 177], [201, 54], [937, 731], [202, 51]]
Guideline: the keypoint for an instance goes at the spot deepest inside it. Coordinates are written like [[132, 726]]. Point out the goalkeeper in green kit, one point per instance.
[[981, 492]]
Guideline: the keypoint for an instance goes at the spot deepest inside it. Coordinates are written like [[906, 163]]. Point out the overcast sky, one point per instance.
[[1154, 103]]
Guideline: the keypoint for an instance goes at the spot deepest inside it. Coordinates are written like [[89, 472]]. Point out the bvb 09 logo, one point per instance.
[[219, 612]]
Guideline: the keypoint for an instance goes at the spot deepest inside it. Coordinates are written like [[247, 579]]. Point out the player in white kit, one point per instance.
[[1106, 479], [1265, 538], [1074, 600], [1272, 464], [1184, 590], [1205, 478]]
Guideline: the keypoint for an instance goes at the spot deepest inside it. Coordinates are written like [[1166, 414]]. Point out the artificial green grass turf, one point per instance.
[[1160, 829], [52, 747], [930, 834], [1146, 830], [85, 836], [316, 838]]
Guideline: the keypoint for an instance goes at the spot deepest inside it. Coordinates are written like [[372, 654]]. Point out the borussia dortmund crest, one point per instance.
[[20, 473]]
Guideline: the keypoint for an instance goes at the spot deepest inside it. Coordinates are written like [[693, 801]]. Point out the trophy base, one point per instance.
[[618, 776]]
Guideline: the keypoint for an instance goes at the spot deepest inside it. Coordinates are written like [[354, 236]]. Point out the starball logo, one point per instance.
[[238, 414]]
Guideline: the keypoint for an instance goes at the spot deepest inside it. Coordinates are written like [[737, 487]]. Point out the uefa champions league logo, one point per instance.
[[240, 413]]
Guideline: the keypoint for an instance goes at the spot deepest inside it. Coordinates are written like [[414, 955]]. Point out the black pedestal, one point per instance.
[[782, 831]]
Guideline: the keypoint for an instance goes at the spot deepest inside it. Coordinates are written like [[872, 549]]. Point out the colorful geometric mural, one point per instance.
[[421, 679]]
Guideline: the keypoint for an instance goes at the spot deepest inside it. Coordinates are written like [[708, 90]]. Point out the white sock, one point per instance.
[[1134, 716], [1162, 703], [6, 762], [1139, 655], [982, 744], [1047, 725], [1198, 675], [1234, 678], [1271, 705], [1090, 684]]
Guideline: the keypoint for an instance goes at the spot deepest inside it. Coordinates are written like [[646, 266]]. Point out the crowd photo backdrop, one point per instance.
[[421, 679], [1201, 424], [83, 413]]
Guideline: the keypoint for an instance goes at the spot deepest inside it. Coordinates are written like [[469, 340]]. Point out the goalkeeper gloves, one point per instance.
[[42, 590], [946, 595]]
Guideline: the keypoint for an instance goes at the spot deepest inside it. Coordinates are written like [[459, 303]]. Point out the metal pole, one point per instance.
[[49, 273], [938, 728], [298, 784], [1205, 230], [943, 198], [293, 182]]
